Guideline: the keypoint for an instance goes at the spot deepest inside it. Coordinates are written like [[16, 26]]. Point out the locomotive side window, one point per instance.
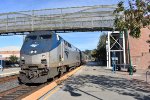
[[45, 36], [31, 38], [69, 45], [65, 42]]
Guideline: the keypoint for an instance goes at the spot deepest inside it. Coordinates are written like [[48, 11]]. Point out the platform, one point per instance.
[[94, 82], [9, 72]]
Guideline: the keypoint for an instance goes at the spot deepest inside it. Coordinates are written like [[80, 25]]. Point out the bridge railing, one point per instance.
[[72, 18]]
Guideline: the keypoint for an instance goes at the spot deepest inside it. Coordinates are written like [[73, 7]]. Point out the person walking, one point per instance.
[[1, 67]]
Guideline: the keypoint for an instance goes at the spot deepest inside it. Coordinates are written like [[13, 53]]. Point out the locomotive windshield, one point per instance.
[[45, 36], [31, 38]]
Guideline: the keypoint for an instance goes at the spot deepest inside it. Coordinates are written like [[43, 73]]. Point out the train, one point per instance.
[[45, 55]]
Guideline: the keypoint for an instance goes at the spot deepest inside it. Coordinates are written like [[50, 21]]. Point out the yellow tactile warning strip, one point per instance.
[[36, 95]]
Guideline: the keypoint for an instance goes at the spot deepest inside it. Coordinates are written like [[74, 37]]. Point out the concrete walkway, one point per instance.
[[96, 83], [9, 71]]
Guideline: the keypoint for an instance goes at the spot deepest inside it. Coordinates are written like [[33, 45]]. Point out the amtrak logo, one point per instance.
[[34, 45]]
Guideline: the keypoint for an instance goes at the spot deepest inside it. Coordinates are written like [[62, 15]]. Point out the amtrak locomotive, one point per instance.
[[45, 55]]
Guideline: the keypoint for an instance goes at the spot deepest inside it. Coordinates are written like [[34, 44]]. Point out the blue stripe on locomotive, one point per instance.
[[42, 45]]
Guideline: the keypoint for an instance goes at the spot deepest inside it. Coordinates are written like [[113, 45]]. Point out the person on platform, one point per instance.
[[1, 68]]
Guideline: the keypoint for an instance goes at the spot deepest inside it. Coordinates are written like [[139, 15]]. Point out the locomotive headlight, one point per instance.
[[32, 51], [22, 57], [35, 51]]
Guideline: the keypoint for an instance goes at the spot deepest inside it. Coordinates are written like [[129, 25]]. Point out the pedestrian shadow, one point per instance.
[[134, 88], [71, 91]]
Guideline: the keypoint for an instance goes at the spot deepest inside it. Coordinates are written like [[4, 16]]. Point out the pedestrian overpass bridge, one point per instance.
[[72, 19]]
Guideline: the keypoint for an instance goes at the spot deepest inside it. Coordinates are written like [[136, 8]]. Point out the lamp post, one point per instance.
[[130, 62]]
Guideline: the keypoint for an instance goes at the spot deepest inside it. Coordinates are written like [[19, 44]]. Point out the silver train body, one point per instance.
[[45, 55]]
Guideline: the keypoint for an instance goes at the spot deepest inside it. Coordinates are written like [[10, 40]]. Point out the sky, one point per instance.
[[84, 40]]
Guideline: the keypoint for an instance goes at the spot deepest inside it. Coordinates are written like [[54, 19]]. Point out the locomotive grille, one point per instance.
[[33, 67]]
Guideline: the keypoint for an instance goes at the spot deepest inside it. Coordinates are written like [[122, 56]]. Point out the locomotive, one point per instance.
[[44, 55]]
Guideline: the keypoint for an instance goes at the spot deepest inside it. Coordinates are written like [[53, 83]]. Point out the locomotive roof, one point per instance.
[[40, 33]]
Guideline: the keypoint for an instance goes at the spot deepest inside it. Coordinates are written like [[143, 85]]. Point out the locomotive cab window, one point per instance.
[[31, 38], [45, 36]]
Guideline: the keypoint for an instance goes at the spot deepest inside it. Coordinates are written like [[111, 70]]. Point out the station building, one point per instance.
[[140, 49], [6, 52]]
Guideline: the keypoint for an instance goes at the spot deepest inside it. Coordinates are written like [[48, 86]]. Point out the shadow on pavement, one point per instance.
[[71, 91], [135, 88]]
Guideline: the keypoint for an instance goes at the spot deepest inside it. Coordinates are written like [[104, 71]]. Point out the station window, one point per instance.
[[45, 36]]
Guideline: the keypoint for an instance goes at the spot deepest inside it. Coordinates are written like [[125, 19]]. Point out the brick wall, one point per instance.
[[139, 49]]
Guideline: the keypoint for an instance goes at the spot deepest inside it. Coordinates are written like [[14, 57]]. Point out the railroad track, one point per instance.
[[8, 78], [18, 92], [21, 91]]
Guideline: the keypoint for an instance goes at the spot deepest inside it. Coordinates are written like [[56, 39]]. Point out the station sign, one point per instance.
[[114, 58]]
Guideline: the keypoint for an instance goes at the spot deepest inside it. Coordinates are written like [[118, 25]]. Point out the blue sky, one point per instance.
[[85, 40]]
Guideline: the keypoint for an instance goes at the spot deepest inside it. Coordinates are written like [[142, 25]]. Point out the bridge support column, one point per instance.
[[115, 43]]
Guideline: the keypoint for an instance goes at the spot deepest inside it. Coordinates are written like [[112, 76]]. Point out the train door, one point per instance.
[[62, 51]]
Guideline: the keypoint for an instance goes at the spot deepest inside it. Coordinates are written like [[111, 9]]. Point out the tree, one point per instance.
[[100, 52], [13, 59], [88, 53], [94, 53], [133, 18]]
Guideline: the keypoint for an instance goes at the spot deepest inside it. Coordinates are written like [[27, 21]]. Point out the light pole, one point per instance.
[[130, 62]]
